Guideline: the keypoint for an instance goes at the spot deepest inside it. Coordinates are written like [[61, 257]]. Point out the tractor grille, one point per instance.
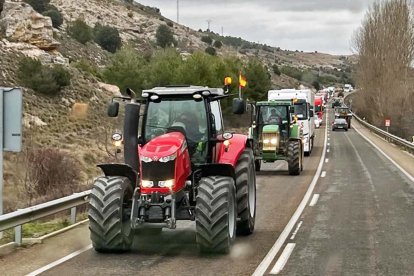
[[158, 171]]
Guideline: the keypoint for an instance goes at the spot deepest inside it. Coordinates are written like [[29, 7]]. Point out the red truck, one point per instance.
[[319, 108]]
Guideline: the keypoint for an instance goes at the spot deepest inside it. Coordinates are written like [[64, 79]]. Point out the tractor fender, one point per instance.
[[119, 169], [217, 169], [238, 144]]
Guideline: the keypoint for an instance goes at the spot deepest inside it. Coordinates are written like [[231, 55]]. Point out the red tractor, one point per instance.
[[179, 165]]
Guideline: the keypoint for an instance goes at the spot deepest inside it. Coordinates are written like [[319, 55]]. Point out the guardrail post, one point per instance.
[[18, 235], [73, 215]]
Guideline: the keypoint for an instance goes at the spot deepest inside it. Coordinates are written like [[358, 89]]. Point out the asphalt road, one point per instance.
[[361, 224]]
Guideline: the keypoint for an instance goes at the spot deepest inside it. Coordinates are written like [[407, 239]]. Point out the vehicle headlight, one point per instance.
[[168, 158], [266, 141], [145, 159], [117, 139], [166, 183], [147, 183], [273, 141]]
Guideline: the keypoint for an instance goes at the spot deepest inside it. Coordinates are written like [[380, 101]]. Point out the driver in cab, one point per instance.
[[274, 118]]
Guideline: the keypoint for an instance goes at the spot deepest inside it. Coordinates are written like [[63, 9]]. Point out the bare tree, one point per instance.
[[385, 45]]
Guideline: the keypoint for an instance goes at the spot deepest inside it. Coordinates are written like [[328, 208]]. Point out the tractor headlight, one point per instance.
[[117, 139], [147, 183], [168, 158], [145, 159], [273, 141], [166, 183], [266, 141]]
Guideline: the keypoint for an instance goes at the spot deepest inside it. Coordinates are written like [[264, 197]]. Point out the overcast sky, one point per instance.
[[308, 25]]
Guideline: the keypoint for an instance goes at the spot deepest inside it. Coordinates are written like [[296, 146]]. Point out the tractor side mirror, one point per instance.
[[113, 109], [239, 106], [311, 113]]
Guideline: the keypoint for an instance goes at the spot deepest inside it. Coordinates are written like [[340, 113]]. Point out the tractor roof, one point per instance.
[[183, 90]]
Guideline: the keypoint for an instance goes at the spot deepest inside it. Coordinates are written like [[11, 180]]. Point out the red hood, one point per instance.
[[163, 145]]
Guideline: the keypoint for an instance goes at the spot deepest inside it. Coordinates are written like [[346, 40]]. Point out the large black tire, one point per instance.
[[216, 214], [294, 156], [246, 192], [257, 165], [109, 221]]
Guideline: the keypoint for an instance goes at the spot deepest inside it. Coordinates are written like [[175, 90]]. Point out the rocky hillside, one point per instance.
[[74, 120]]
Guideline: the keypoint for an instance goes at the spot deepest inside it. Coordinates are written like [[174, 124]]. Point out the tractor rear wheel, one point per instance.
[[294, 156], [246, 192], [216, 214], [109, 209]]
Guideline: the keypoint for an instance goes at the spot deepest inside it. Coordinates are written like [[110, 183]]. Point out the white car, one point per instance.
[[317, 122]]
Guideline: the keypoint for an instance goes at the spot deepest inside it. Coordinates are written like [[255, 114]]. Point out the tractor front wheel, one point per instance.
[[216, 214], [246, 192], [294, 157], [109, 209]]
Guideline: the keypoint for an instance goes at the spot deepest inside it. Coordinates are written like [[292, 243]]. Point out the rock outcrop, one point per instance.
[[19, 22]]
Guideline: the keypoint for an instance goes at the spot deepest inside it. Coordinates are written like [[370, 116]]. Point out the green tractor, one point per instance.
[[276, 134]]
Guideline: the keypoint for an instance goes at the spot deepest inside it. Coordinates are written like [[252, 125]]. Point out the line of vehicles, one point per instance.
[[180, 164]]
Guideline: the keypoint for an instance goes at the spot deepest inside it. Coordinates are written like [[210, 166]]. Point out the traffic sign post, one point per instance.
[[387, 123], [11, 103]]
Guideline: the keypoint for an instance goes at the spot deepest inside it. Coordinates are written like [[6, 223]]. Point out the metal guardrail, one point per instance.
[[406, 145], [17, 218]]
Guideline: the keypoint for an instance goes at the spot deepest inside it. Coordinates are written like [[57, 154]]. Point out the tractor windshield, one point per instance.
[[272, 115], [182, 113]]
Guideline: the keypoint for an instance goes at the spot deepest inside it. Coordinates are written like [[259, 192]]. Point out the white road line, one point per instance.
[[327, 150], [261, 269], [296, 230], [329, 144], [326, 160], [328, 140], [323, 174], [281, 262], [58, 262], [407, 174], [314, 200]]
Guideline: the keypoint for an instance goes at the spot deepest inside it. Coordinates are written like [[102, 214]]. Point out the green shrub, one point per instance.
[[164, 36], [86, 66], [38, 5], [80, 31], [218, 44], [170, 24], [47, 80], [207, 39], [56, 16], [292, 72], [210, 51], [276, 69], [107, 37]]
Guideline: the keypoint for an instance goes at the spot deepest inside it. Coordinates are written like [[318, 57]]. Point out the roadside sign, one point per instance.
[[11, 103], [387, 122]]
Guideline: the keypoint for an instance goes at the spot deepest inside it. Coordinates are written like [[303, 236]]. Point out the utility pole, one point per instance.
[[178, 11], [208, 24]]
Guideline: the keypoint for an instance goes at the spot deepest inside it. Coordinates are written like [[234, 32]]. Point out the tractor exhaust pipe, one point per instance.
[[131, 122]]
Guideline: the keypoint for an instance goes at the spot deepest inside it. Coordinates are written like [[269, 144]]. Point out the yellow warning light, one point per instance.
[[227, 80], [295, 100]]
